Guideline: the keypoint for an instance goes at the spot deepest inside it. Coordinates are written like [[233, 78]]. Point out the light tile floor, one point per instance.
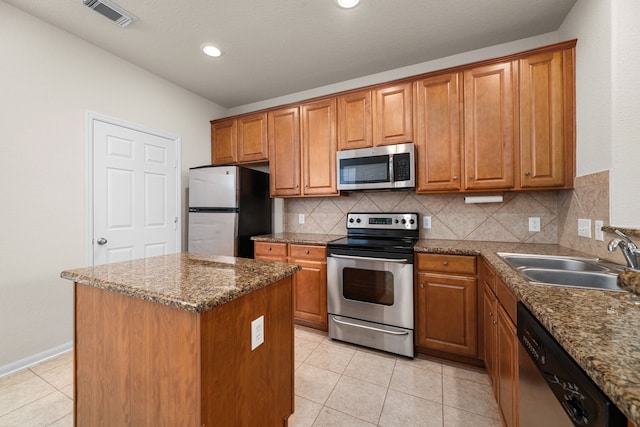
[[337, 384]]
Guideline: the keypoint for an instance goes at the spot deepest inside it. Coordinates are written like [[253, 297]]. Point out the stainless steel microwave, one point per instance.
[[388, 167]]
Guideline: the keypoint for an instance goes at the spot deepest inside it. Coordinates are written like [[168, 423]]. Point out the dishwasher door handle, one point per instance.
[[366, 258], [342, 322]]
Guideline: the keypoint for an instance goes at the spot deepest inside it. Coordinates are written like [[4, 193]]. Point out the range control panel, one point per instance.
[[385, 221]]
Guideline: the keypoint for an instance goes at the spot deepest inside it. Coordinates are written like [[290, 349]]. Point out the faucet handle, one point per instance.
[[625, 237]]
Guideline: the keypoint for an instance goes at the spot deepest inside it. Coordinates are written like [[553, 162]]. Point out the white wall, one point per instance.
[[412, 70], [608, 98], [49, 79]]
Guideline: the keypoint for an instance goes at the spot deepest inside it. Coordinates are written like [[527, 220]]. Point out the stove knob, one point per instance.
[[358, 220], [351, 220], [411, 221], [404, 221], [397, 221]]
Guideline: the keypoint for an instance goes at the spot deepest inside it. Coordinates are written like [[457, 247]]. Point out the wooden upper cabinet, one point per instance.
[[392, 115], [489, 126], [239, 140], [284, 152], [438, 132], [546, 120], [252, 138], [319, 145], [224, 142], [355, 123]]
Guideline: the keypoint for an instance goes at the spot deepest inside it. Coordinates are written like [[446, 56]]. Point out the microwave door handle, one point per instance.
[[391, 168]]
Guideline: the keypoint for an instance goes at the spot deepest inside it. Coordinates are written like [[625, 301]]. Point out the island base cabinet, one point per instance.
[[139, 363]]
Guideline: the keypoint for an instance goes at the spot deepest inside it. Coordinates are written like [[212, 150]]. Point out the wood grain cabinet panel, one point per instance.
[[489, 116], [437, 116], [355, 123], [447, 319], [319, 146], [224, 142], [546, 120], [393, 115], [252, 138], [284, 151], [310, 285]]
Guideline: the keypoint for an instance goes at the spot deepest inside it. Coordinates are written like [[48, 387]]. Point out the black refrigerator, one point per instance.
[[227, 206]]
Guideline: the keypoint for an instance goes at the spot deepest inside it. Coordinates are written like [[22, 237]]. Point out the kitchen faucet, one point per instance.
[[629, 249]]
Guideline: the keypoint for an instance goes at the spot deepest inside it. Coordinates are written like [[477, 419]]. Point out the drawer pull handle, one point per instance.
[[445, 263]]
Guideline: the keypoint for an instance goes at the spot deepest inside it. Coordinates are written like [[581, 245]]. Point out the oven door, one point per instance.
[[373, 288]]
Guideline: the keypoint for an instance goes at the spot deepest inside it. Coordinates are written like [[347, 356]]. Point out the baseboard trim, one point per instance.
[[34, 359]]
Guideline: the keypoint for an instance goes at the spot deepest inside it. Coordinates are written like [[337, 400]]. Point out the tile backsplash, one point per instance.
[[451, 218]]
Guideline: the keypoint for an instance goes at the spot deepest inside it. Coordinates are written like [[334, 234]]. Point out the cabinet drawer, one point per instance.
[[308, 252], [506, 298], [447, 263], [268, 249]]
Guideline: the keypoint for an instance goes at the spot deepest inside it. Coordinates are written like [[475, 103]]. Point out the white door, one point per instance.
[[135, 194]]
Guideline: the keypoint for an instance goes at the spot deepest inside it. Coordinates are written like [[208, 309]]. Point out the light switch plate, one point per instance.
[[534, 223], [584, 227], [599, 234], [426, 222], [257, 332], [300, 218]]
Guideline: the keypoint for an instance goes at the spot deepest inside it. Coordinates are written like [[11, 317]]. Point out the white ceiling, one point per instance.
[[278, 47]]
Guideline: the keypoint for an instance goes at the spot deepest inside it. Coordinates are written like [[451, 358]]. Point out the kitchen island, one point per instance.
[[168, 341]]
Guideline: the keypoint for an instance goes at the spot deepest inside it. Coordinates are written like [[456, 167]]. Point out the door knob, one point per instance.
[[102, 241]]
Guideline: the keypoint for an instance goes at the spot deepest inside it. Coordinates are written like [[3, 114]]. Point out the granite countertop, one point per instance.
[[192, 282], [599, 329], [298, 238]]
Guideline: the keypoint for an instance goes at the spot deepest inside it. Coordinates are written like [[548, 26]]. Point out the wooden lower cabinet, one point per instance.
[[309, 284], [500, 341], [140, 363], [446, 304]]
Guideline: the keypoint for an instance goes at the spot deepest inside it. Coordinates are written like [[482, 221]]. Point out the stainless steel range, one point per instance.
[[370, 282]]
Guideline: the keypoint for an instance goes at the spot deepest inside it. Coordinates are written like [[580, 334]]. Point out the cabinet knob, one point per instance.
[[455, 177], [527, 174], [445, 263], [307, 252], [491, 314], [269, 248], [470, 176], [421, 285], [296, 185], [495, 322]]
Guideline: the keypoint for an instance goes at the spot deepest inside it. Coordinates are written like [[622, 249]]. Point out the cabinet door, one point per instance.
[[489, 127], [392, 115], [223, 142], [319, 145], [544, 116], [355, 125], [438, 133], [446, 318], [490, 329], [252, 138], [507, 365], [310, 285], [284, 152]]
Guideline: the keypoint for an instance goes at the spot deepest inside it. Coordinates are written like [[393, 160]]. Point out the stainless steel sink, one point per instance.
[[579, 279], [591, 273], [557, 263]]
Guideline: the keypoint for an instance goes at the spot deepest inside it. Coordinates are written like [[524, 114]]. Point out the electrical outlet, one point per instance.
[[257, 332], [599, 234], [584, 228], [534, 223], [300, 218], [426, 222]]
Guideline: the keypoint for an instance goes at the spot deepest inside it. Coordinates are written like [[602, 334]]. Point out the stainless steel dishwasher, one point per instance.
[[554, 390]]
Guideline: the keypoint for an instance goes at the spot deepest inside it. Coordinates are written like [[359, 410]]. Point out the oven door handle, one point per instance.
[[366, 258], [342, 322]]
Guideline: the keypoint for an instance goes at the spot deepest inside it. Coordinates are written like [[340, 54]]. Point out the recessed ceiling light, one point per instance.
[[211, 50], [347, 4]]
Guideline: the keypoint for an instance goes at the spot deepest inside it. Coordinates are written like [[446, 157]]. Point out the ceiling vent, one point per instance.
[[111, 10]]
